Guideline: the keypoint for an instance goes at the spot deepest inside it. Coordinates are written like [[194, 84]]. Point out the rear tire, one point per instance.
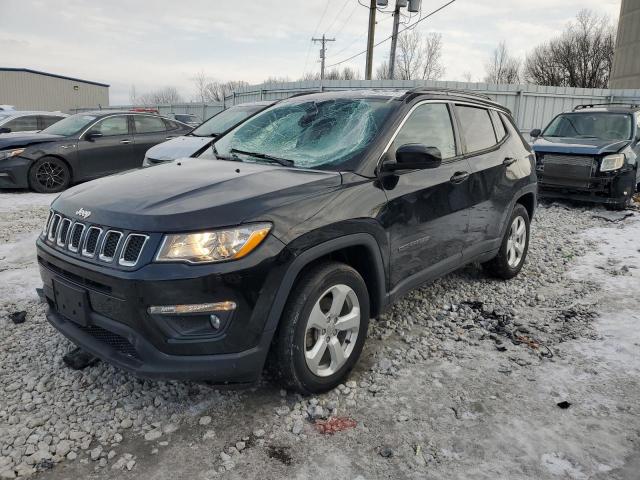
[[322, 329], [515, 245], [49, 175]]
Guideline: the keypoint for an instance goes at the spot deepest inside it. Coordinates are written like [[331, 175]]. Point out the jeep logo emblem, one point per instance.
[[83, 213]]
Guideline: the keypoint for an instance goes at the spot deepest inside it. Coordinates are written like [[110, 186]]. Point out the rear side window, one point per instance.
[[498, 126], [476, 128], [430, 125], [112, 126], [23, 124], [49, 120], [147, 124], [171, 125]]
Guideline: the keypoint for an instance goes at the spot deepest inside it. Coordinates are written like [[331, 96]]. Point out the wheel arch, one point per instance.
[[359, 250]]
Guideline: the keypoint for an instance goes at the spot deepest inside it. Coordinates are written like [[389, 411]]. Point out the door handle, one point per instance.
[[170, 137], [509, 161], [459, 177], [125, 141]]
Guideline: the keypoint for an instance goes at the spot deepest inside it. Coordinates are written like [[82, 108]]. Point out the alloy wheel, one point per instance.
[[50, 175], [332, 329], [517, 242]]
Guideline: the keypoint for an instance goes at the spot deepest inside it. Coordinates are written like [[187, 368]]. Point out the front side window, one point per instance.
[[429, 125], [325, 134], [23, 124], [148, 124], [112, 126], [476, 127], [601, 125]]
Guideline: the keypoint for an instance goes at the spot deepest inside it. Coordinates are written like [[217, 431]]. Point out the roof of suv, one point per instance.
[[609, 107], [405, 95]]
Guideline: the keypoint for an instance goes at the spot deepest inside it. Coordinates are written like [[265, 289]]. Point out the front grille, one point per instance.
[[113, 340], [567, 170], [76, 235], [110, 245], [132, 249], [63, 232], [93, 242]]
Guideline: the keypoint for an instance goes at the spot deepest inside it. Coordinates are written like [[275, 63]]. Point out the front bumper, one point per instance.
[[610, 188], [14, 172], [118, 328]]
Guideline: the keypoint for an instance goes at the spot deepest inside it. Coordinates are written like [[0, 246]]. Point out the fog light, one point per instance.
[[215, 321], [192, 308]]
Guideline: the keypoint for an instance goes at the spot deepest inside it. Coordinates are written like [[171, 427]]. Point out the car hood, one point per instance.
[[18, 139], [580, 146], [178, 147], [193, 195]]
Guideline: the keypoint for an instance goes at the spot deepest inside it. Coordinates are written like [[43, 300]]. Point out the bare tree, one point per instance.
[[382, 71], [200, 81], [347, 73], [582, 56], [419, 57], [467, 77], [502, 67], [216, 91], [164, 96]]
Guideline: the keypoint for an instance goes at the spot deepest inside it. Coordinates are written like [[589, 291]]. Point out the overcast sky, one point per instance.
[[160, 43]]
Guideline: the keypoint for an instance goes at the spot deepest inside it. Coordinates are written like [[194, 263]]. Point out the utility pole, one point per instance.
[[370, 39], [323, 52], [394, 39], [413, 7]]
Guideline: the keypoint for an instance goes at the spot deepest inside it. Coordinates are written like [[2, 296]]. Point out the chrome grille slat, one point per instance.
[[53, 228], [132, 249], [63, 232], [91, 241], [76, 236], [573, 160], [108, 249]]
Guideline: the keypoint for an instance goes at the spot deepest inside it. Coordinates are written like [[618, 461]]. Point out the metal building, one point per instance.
[[626, 61], [27, 89]]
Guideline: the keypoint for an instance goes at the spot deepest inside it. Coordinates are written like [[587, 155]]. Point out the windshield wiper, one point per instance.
[[264, 156]]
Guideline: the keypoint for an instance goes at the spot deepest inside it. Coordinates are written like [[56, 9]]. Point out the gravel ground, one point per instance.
[[464, 378]]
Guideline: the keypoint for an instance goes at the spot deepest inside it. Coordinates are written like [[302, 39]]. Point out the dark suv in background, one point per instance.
[[590, 154], [81, 147], [307, 220]]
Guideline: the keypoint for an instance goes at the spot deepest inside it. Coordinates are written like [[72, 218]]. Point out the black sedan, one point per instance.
[[82, 147]]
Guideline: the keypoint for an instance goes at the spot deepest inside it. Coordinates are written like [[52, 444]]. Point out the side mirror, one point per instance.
[[415, 156], [535, 133], [5, 130], [92, 135]]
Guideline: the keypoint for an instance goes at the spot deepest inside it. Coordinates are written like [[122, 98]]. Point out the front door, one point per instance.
[[111, 152], [426, 214]]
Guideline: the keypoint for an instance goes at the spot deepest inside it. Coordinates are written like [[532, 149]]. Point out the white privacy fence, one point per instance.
[[533, 106]]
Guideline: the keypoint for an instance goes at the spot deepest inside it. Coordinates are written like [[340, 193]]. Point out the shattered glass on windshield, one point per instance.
[[326, 134]]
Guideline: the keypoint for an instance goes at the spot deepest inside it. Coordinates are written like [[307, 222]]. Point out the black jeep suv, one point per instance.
[[305, 221], [590, 154]]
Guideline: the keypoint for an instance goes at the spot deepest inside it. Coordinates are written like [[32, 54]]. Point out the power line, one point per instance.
[[328, 29], [361, 37], [315, 30], [404, 29], [344, 24]]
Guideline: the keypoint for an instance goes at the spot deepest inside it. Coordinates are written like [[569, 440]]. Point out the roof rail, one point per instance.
[[460, 92], [594, 105]]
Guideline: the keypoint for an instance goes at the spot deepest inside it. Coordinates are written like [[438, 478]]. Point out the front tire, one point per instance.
[[322, 329], [49, 175], [515, 245]]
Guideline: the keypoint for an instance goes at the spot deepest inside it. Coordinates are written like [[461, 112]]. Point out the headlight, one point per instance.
[[612, 162], [10, 153], [213, 246]]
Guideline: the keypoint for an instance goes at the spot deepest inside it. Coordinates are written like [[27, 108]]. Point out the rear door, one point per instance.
[[485, 145], [426, 214], [149, 130], [110, 153]]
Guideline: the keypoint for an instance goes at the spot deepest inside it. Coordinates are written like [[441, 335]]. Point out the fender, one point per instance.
[[353, 240]]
